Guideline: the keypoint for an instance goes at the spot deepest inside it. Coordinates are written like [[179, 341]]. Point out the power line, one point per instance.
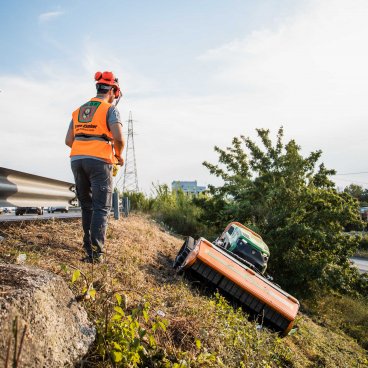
[[354, 173], [353, 181]]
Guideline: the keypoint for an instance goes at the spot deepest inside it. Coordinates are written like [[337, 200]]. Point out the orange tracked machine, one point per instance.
[[234, 263]]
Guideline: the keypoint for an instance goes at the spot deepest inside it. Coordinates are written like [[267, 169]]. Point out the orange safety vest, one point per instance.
[[92, 136]]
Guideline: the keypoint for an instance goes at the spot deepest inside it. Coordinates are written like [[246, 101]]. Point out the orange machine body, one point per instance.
[[247, 286]]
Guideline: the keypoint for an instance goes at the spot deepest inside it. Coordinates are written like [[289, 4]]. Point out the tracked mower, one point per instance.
[[235, 263]]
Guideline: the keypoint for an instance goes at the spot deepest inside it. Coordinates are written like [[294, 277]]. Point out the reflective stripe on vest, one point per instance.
[[91, 134], [88, 137]]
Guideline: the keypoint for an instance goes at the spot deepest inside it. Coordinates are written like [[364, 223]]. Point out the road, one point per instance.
[[46, 216], [361, 263]]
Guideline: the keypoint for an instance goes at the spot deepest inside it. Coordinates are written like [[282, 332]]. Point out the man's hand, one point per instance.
[[117, 133], [120, 160]]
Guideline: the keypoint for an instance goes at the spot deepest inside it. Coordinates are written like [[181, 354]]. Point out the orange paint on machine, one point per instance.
[[240, 279]]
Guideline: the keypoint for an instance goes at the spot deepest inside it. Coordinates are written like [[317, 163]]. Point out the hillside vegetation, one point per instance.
[[148, 316], [270, 186]]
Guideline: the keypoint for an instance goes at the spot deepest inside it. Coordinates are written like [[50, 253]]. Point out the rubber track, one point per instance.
[[266, 313]]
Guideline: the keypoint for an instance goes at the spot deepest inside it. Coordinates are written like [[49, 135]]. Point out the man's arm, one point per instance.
[[69, 139], [119, 142]]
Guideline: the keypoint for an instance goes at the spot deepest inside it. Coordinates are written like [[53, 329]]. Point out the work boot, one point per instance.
[[99, 258], [87, 259]]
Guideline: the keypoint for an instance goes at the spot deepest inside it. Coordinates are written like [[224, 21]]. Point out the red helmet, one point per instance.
[[109, 79]]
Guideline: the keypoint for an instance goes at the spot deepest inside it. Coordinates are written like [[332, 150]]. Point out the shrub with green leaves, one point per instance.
[[296, 208], [363, 242], [128, 338], [177, 210], [241, 343], [139, 202], [125, 338]]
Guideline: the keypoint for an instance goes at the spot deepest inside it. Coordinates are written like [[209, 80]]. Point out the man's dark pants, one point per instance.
[[93, 179]]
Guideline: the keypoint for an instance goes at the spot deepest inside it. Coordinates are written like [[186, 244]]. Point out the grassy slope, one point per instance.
[[139, 258]]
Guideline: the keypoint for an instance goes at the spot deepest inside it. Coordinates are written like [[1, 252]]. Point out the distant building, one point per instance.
[[187, 186], [364, 213]]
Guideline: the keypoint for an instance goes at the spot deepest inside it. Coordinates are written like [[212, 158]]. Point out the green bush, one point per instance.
[[363, 242], [128, 339], [139, 202], [296, 207], [180, 212], [177, 211], [363, 246]]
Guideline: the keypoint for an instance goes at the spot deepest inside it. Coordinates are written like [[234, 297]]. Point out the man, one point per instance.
[[96, 138]]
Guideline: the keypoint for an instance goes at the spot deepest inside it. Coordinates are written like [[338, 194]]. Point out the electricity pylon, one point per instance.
[[130, 177]]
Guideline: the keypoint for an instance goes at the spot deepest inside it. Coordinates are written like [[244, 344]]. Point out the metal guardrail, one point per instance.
[[126, 206], [19, 189], [120, 206]]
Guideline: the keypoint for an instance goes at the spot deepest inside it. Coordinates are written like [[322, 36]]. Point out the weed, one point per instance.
[[343, 313]]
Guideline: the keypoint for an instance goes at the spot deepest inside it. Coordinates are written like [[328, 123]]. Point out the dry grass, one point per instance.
[[139, 254]]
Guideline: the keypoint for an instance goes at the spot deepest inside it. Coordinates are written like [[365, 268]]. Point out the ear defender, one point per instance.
[[98, 76], [117, 92]]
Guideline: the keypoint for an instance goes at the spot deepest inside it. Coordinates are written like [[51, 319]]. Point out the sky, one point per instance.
[[194, 74]]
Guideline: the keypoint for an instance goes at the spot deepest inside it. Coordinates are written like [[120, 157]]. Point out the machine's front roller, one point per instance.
[[186, 248]]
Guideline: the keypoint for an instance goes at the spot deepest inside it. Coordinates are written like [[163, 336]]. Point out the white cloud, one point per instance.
[[97, 56], [36, 113], [48, 16], [311, 74], [315, 54]]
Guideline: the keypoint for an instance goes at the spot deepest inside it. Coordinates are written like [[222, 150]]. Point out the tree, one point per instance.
[[359, 193], [295, 206]]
